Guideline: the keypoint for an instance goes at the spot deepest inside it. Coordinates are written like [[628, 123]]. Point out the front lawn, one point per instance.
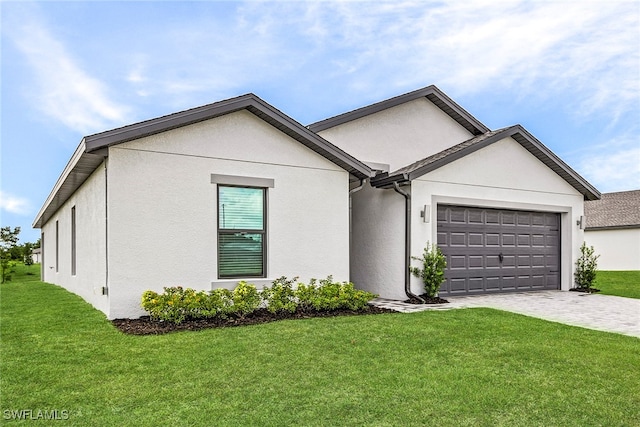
[[620, 283], [476, 367]]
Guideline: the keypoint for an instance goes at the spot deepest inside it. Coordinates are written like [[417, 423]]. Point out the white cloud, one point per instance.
[[614, 166], [14, 204], [64, 90], [590, 49]]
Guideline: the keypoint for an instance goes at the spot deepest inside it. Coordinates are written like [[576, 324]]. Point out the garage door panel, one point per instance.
[[476, 239], [492, 250], [457, 262], [476, 261], [492, 283], [458, 239], [508, 239]]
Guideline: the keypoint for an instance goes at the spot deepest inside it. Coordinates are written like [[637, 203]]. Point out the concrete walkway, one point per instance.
[[593, 311]]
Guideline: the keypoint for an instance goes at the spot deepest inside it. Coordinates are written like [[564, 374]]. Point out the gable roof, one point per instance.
[[517, 132], [432, 93], [93, 149], [614, 210]]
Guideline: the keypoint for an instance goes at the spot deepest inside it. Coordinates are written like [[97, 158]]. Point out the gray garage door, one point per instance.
[[494, 250]]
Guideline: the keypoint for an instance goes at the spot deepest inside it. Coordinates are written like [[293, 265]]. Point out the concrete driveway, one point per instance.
[[593, 311]]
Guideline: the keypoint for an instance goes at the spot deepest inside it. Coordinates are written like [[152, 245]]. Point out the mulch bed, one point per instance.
[[146, 326], [585, 290], [428, 300]]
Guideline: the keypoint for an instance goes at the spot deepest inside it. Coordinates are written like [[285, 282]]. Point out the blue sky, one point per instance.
[[569, 72]]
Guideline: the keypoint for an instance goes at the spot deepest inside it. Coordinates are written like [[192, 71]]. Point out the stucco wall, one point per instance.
[[162, 207], [398, 136], [90, 277], [377, 253], [618, 249]]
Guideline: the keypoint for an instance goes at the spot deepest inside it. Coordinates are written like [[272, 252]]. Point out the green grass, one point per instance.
[[620, 283], [475, 367]]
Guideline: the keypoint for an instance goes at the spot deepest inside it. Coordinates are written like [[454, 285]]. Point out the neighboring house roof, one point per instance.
[[432, 93], [94, 148], [36, 251], [614, 210], [517, 132]]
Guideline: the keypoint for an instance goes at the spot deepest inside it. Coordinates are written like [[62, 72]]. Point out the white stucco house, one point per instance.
[[36, 255], [613, 229], [202, 198], [238, 190]]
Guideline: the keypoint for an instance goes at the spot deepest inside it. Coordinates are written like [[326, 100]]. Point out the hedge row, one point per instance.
[[176, 304]]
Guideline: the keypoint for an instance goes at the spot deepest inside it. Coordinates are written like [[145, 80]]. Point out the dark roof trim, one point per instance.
[[518, 133], [432, 93], [249, 102], [94, 148], [612, 227]]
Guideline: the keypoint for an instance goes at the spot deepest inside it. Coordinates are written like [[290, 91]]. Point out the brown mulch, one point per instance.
[[428, 300], [585, 290], [146, 326]]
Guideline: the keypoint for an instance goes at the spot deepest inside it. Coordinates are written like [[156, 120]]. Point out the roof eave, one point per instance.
[[94, 148], [548, 157], [80, 166], [432, 93]]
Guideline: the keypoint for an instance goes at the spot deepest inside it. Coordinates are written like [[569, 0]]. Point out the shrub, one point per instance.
[[432, 272], [281, 297], [305, 294], [177, 304], [246, 299], [173, 305], [330, 295], [586, 267]]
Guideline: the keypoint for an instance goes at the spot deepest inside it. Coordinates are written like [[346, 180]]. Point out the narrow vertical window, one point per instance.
[[241, 231], [57, 246], [73, 241]]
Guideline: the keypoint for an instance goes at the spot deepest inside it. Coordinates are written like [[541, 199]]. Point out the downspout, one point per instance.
[[407, 243], [105, 289]]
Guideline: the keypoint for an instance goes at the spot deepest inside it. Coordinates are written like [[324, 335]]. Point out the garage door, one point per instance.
[[495, 250]]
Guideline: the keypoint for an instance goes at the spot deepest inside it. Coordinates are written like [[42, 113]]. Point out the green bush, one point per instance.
[[432, 272], [177, 304], [330, 295], [246, 299], [586, 267], [281, 296], [219, 303], [304, 294]]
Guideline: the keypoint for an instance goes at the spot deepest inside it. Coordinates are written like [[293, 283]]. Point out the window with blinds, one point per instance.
[[241, 231]]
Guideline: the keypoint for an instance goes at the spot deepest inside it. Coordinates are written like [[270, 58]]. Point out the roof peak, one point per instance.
[[432, 93]]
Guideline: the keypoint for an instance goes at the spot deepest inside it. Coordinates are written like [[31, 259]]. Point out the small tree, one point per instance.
[[26, 254], [586, 267], [8, 240], [432, 272]]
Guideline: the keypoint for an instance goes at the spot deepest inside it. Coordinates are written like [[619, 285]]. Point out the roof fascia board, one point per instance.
[[528, 141], [521, 136], [316, 139], [612, 227], [458, 155], [75, 157], [251, 103], [471, 121], [164, 123]]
